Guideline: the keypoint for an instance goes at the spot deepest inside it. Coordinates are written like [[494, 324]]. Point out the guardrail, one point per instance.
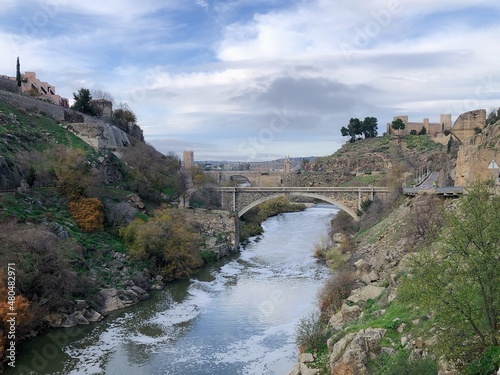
[[291, 189], [444, 191]]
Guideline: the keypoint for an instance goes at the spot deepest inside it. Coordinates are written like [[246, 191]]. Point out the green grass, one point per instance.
[[34, 133]]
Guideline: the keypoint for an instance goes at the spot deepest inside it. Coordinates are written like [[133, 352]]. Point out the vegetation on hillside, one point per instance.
[[166, 241], [65, 238], [457, 278], [251, 221]]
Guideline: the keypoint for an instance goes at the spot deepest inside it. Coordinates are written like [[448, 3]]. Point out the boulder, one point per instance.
[[364, 294], [349, 313], [55, 319], [141, 293], [92, 315], [111, 301], [362, 266], [81, 304], [350, 354], [306, 358], [74, 319], [338, 238]]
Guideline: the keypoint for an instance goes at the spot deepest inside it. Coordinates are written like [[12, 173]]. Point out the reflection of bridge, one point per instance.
[[242, 199]]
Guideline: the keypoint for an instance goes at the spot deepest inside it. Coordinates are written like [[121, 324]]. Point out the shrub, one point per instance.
[[88, 213], [335, 259], [208, 256], [119, 214], [44, 273], [401, 364], [167, 241], [321, 247], [310, 333], [487, 364], [331, 296], [342, 223]]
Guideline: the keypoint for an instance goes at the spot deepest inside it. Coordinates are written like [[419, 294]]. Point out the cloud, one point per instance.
[[217, 74]]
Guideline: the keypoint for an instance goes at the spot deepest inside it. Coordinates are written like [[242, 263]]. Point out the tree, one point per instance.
[[167, 240], [353, 129], [457, 277], [100, 94], [398, 125], [123, 112], [413, 132], [18, 72], [422, 131], [82, 102], [493, 116], [71, 170], [153, 172], [369, 127], [366, 128]]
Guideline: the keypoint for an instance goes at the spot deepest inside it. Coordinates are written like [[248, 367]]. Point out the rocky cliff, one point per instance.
[[476, 153]]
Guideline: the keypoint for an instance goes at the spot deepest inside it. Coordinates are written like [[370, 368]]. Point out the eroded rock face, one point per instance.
[[475, 155], [350, 355]]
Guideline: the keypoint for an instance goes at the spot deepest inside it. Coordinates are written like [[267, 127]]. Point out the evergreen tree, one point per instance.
[[398, 125], [18, 73], [82, 102]]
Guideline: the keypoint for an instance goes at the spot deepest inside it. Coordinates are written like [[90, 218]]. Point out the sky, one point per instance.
[[253, 80]]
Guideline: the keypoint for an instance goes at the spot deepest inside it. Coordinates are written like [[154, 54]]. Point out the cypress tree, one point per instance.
[[18, 72]]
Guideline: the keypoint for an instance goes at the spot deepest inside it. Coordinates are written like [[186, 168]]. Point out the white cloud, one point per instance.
[[324, 61]]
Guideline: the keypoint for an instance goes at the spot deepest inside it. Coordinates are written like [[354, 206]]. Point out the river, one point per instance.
[[235, 317]]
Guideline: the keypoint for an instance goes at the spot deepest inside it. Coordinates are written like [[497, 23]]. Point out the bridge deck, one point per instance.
[[294, 189], [451, 191]]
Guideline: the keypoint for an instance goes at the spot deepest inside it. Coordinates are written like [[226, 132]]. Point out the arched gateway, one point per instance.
[[242, 199]]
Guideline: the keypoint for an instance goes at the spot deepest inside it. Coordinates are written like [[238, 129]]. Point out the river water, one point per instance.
[[236, 317]]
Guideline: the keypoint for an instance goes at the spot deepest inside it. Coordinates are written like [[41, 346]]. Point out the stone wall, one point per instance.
[[466, 122], [9, 85], [218, 228], [92, 130]]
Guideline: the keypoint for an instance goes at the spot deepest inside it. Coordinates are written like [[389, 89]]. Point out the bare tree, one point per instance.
[[100, 94]]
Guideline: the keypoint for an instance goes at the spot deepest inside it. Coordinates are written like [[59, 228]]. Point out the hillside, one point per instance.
[[72, 217], [369, 161], [415, 282]]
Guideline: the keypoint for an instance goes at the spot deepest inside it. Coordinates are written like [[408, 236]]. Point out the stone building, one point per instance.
[[104, 107], [432, 128]]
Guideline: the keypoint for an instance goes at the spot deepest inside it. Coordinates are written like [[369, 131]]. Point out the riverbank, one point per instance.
[[237, 315], [365, 327], [116, 278]]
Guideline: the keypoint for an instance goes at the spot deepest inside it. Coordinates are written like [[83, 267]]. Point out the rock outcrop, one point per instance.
[[349, 355], [475, 155]]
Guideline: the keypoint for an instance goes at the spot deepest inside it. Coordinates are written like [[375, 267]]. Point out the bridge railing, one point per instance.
[[291, 189]]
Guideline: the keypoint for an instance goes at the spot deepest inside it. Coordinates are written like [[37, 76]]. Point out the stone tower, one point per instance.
[[445, 121], [187, 159], [287, 165]]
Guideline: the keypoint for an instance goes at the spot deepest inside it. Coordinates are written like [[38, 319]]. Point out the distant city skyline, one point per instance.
[[251, 80]]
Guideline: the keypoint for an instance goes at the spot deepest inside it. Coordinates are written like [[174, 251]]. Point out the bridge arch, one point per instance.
[[343, 207], [240, 179]]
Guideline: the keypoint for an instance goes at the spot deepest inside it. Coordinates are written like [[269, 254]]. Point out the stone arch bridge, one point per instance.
[[242, 199]]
